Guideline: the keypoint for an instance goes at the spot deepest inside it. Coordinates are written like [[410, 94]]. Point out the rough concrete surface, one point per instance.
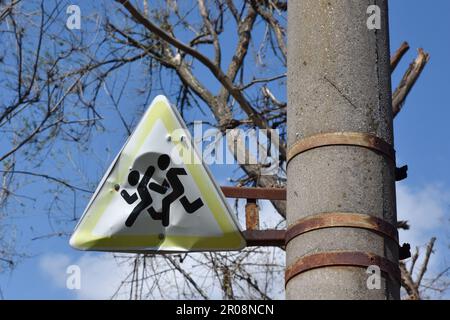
[[339, 81]]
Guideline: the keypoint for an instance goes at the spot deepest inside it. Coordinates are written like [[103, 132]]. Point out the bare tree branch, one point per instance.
[[428, 253], [217, 72], [409, 79], [46, 176], [398, 55]]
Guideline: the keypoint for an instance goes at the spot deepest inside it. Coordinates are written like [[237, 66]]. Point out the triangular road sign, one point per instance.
[[158, 195]]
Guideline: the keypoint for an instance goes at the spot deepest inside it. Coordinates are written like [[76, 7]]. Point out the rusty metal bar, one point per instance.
[[252, 214], [365, 140], [341, 219], [254, 193], [264, 238], [343, 258]]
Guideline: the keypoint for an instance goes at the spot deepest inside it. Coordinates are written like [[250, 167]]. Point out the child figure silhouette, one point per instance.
[[142, 190]]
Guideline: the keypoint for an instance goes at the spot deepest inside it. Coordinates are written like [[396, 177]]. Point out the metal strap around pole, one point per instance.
[[364, 140], [342, 258], [341, 219]]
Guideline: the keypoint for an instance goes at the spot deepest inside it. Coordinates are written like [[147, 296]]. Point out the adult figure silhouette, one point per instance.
[[174, 182]]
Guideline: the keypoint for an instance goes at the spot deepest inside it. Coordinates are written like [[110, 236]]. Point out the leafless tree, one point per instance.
[[414, 282]]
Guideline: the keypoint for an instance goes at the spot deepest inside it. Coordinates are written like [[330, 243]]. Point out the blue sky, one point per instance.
[[421, 140]]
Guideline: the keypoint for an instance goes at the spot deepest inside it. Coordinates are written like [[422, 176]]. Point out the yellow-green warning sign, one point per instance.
[[158, 195]]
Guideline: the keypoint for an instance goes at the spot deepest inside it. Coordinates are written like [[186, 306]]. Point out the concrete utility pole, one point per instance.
[[341, 208]]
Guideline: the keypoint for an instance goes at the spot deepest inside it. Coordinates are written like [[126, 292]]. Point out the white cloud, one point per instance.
[[426, 209], [101, 274], [55, 264]]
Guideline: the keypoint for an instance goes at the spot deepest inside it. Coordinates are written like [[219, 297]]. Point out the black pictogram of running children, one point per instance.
[[144, 185]]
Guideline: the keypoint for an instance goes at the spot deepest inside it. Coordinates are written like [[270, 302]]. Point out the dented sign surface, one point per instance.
[[158, 196]]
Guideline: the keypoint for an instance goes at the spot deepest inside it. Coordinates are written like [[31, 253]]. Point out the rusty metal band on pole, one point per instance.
[[341, 219], [339, 259], [364, 140]]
